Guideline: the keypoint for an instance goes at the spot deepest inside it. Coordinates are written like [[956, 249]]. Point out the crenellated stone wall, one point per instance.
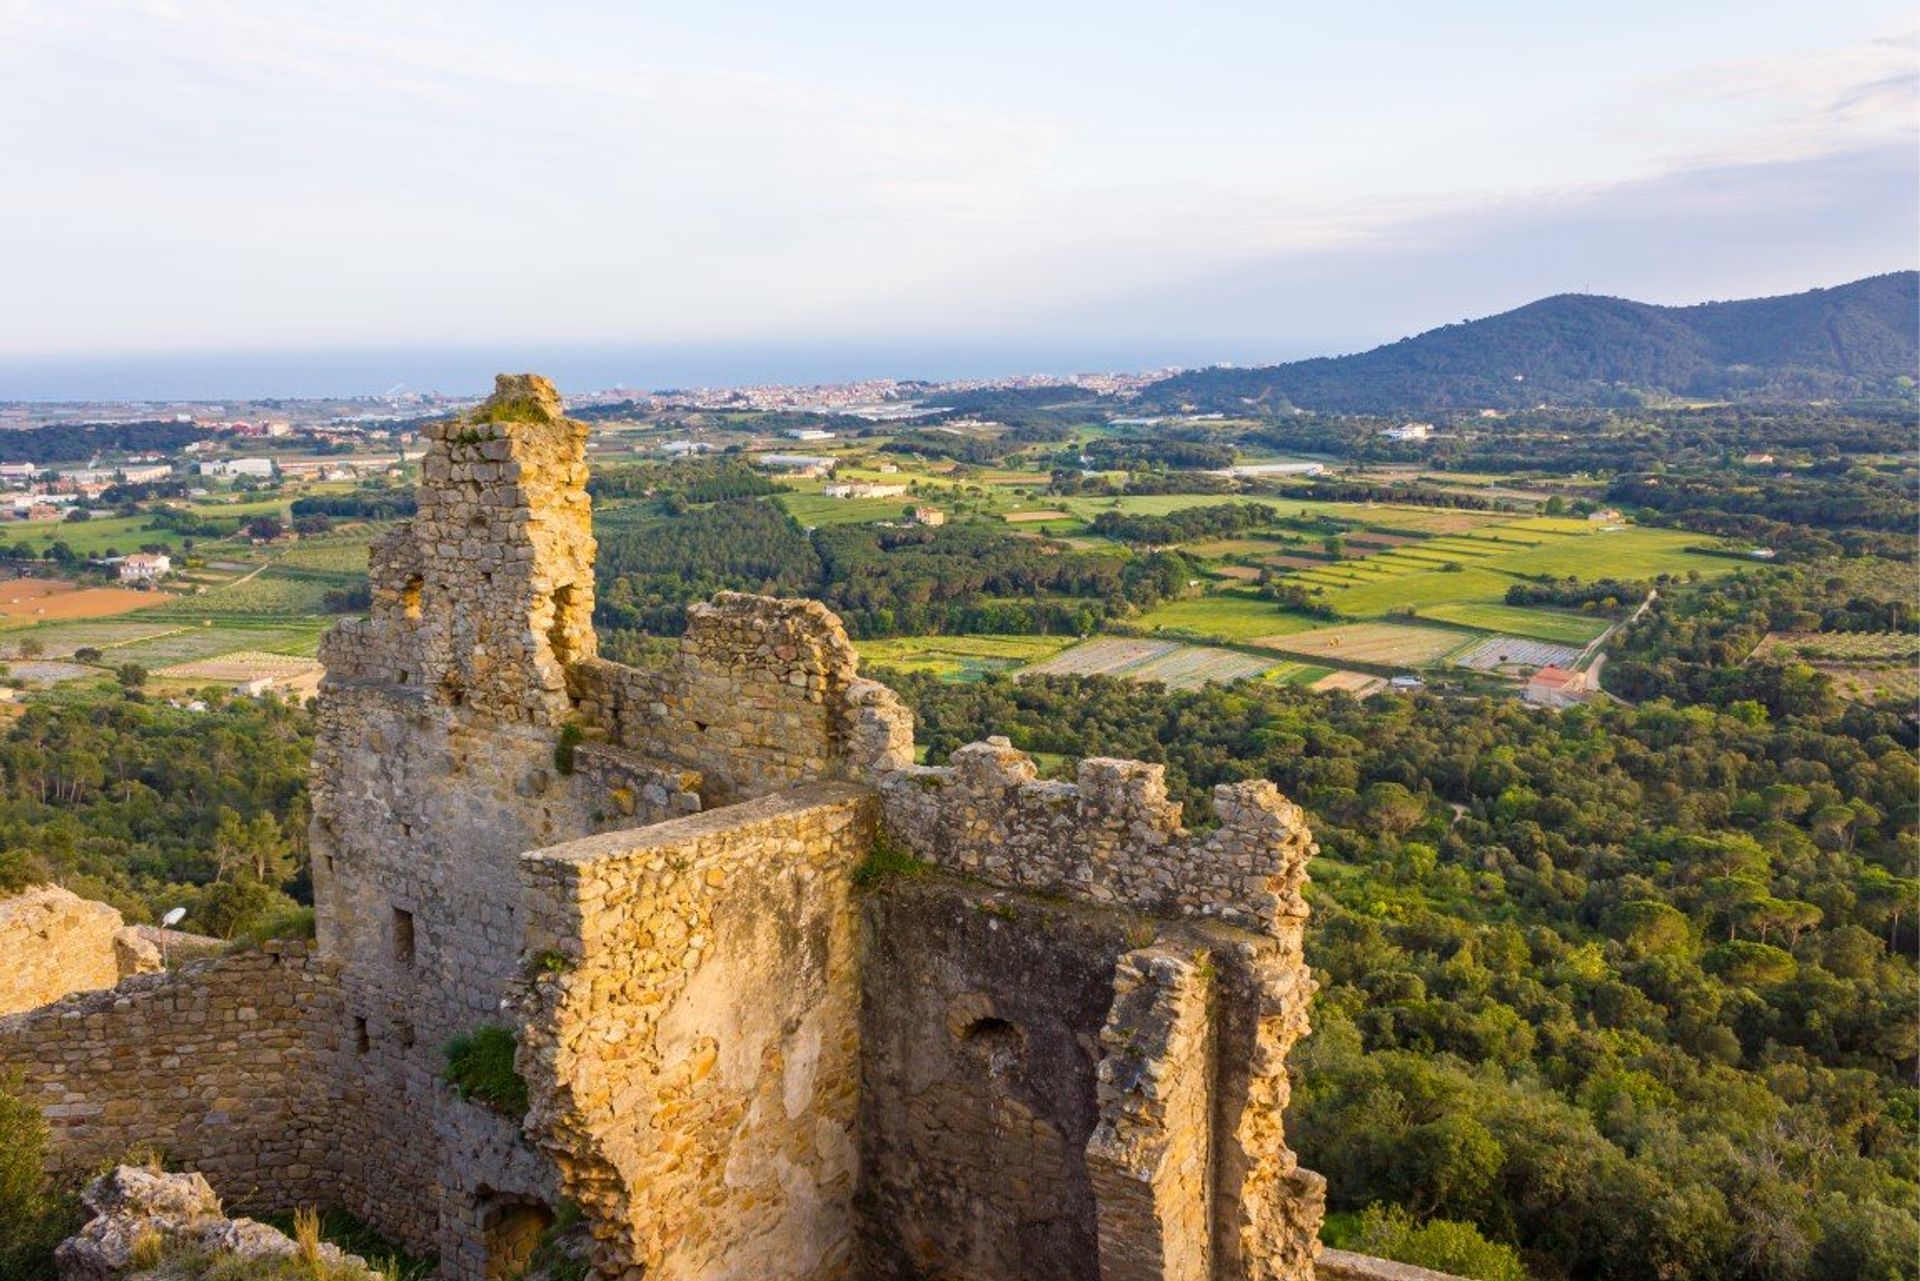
[[1112, 837], [54, 942]]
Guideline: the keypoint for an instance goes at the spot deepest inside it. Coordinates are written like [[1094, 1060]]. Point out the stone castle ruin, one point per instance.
[[786, 1004]]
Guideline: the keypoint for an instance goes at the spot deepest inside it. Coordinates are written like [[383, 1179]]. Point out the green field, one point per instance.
[[1230, 615], [1510, 620], [268, 595], [1171, 663], [1627, 553], [1381, 515], [1492, 559], [816, 509], [160, 644], [1291, 672], [129, 533], [188, 644], [1415, 590], [59, 640], [334, 555], [959, 657]]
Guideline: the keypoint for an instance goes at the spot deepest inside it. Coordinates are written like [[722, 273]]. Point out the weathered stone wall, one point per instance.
[[1062, 1089], [224, 1066], [486, 595], [421, 813], [53, 942], [439, 760], [1151, 1156], [1112, 837], [757, 698], [691, 1036], [980, 1026]]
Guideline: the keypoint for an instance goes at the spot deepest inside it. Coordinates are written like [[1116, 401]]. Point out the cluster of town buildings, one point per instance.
[[877, 398]]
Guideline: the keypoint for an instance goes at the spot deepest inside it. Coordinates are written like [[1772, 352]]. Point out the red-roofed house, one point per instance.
[[1555, 687]]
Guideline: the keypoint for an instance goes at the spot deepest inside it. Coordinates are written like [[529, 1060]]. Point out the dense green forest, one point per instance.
[[1631, 987], [1604, 442], [77, 442], [658, 557], [149, 807]]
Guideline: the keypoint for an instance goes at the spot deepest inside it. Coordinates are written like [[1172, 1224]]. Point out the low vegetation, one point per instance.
[[1445, 1245], [35, 1216], [480, 1068]]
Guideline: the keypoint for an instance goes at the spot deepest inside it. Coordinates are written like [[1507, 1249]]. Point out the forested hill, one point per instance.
[[1580, 349]]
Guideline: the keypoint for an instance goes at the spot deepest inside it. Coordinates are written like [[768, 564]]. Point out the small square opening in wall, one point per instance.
[[402, 936]]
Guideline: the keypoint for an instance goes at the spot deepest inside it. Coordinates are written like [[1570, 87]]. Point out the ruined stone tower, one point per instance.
[[787, 1005], [486, 597]]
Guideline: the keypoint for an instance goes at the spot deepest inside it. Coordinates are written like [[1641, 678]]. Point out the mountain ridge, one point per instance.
[[1842, 341]]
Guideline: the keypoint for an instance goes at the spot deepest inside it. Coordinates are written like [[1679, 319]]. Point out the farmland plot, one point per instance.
[[1358, 684], [1497, 652], [1865, 667], [1541, 624], [1417, 589], [1192, 666], [45, 599], [1175, 665], [961, 658], [1874, 684], [1843, 647], [242, 665], [1231, 615], [1104, 656], [61, 639], [1391, 644], [267, 595], [188, 644], [338, 556]]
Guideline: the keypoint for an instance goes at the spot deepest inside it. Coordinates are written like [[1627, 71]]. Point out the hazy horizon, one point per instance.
[[845, 186], [462, 370], [469, 370]]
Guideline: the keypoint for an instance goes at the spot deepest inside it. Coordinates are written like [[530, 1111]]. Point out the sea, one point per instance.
[[465, 370]]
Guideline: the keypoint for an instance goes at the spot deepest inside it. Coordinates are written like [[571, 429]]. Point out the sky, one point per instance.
[[264, 196]]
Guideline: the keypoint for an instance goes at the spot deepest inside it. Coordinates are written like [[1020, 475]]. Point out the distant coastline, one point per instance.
[[180, 376]]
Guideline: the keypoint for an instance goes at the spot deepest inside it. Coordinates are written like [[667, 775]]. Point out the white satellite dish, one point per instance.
[[174, 917]]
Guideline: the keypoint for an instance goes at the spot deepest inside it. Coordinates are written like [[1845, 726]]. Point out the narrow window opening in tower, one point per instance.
[[560, 631], [410, 598], [402, 936]]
